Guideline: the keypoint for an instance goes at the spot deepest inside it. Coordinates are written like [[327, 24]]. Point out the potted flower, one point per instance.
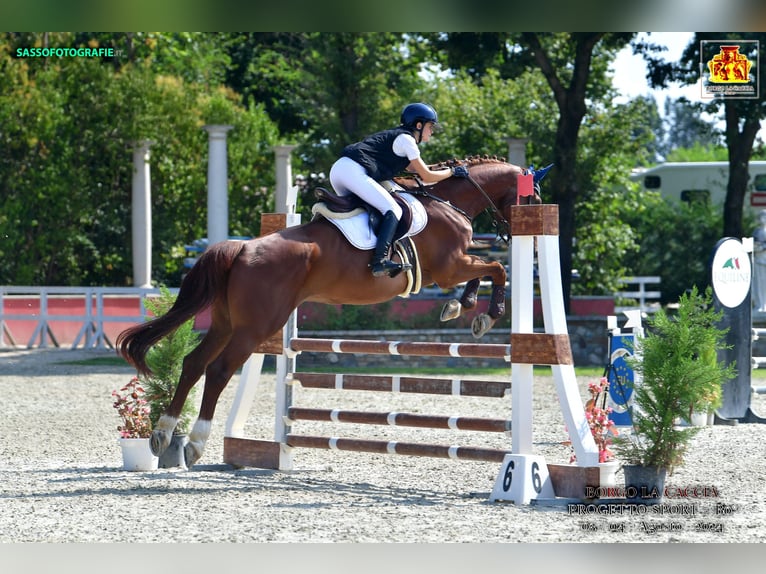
[[135, 428], [165, 360], [603, 430], [678, 374]]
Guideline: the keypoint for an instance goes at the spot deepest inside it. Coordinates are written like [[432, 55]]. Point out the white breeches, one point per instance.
[[348, 176]]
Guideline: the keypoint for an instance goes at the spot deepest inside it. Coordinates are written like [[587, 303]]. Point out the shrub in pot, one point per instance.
[[165, 359], [678, 374]]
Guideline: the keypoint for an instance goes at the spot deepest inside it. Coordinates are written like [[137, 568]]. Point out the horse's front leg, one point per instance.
[[471, 268], [454, 308], [484, 322]]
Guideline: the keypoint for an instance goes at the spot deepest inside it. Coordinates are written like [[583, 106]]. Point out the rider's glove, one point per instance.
[[460, 171]]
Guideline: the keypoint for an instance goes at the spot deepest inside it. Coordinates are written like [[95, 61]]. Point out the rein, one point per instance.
[[425, 193], [499, 223], [497, 218]]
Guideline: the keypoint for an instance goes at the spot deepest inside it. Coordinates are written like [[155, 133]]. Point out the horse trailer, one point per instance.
[[702, 181]]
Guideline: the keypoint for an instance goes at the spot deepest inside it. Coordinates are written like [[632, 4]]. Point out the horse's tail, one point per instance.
[[204, 283]]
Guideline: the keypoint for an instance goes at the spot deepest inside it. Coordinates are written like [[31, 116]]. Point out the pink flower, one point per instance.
[[133, 410], [601, 427]]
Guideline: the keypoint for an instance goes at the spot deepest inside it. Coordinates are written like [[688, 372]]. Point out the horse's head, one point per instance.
[[492, 184]]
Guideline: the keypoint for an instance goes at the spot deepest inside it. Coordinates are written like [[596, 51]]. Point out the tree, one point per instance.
[[572, 65], [266, 68], [352, 84], [67, 128], [475, 53], [648, 128], [686, 127]]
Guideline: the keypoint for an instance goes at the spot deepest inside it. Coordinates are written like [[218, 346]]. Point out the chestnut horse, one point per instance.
[[253, 286]]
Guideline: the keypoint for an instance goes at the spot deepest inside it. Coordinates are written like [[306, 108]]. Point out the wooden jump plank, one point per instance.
[[440, 386], [541, 349], [399, 419], [418, 349], [401, 448], [534, 220]]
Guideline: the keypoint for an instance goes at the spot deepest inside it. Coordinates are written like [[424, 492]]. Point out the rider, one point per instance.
[[379, 157]]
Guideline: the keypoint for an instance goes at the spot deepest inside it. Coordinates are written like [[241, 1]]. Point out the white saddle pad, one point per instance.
[[356, 227]]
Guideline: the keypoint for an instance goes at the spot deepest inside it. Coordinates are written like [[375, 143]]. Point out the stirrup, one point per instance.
[[388, 267]]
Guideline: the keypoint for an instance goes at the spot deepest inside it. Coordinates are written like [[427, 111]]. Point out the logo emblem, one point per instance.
[[729, 69], [731, 273]]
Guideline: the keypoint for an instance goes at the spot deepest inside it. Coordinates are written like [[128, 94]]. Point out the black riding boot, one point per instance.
[[381, 264]]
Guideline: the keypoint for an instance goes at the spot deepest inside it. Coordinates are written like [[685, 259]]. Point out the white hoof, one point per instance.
[[451, 310], [480, 325]]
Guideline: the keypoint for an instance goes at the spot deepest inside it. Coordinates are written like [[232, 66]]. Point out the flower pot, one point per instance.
[[137, 454], [174, 454], [699, 419], [644, 484]]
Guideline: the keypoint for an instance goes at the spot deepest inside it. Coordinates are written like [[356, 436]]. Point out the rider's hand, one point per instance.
[[460, 171]]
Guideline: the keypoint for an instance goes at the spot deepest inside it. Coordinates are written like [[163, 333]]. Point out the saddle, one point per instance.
[[349, 212], [352, 204]]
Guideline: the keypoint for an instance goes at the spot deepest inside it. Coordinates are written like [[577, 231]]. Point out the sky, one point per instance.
[[630, 73], [630, 70]]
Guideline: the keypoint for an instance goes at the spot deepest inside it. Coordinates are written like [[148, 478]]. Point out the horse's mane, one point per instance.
[[469, 161]]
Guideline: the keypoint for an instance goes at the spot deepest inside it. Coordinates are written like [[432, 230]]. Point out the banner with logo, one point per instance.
[[731, 276]]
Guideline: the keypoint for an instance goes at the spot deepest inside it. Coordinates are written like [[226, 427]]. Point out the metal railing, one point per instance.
[[93, 319]]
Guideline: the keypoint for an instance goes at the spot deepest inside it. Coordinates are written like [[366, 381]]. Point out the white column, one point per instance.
[[517, 151], [286, 195], [217, 184], [141, 207]]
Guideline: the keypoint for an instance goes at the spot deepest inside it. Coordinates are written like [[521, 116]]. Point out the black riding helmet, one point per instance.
[[419, 112]]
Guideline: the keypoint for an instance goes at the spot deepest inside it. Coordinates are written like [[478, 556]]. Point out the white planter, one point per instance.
[[699, 419], [137, 454], [607, 473]]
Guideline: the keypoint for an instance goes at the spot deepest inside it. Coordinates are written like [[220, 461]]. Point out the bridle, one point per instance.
[[499, 223]]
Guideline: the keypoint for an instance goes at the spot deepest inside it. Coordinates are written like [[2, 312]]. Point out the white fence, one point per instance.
[[91, 319], [648, 301]]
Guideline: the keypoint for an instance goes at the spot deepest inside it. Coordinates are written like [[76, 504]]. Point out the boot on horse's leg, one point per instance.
[[381, 264]]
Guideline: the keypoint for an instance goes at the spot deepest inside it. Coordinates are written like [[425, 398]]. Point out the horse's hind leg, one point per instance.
[[217, 376], [193, 366], [454, 308]]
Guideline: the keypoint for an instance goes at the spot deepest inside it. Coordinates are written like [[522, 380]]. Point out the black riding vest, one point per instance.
[[375, 153]]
